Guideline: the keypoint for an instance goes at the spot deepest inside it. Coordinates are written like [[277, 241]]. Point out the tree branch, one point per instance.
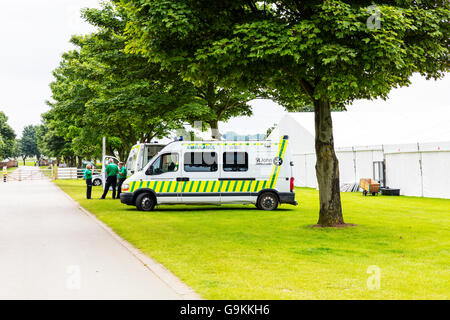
[[305, 85]]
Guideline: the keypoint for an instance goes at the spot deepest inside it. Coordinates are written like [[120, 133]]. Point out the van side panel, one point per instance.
[[266, 167], [201, 187]]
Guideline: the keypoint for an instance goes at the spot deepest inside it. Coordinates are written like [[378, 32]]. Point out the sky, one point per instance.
[[35, 33], [33, 36]]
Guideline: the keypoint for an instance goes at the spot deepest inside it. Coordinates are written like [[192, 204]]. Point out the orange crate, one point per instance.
[[369, 186]]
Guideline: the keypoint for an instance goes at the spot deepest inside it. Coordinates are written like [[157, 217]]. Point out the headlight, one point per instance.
[[125, 187]]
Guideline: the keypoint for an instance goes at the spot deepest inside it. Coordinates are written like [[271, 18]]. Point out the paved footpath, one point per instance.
[[49, 249]]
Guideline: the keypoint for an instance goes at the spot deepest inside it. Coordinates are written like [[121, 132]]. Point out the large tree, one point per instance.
[[104, 91], [223, 99], [54, 142], [29, 146], [324, 54], [7, 138]]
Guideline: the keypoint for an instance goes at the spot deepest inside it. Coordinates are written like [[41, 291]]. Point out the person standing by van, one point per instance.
[[88, 178], [111, 181], [122, 178]]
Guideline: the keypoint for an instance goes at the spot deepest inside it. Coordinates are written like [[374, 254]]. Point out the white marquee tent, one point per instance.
[[411, 151]]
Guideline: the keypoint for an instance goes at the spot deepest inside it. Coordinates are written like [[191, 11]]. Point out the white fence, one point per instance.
[[69, 173], [421, 169]]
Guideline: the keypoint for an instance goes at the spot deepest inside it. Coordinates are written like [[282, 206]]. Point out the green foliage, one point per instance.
[[29, 143], [7, 138], [158, 41], [17, 149], [306, 50], [102, 91], [51, 137]]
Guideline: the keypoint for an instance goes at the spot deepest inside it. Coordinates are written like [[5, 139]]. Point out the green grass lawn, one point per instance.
[[238, 252]]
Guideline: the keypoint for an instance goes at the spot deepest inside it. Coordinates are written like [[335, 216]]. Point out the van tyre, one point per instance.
[[145, 202], [97, 182], [267, 201]]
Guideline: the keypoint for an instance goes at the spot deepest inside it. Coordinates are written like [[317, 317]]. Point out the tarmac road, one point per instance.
[[49, 249]]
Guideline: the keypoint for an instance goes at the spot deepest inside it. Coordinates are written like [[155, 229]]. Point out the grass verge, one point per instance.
[[238, 252]]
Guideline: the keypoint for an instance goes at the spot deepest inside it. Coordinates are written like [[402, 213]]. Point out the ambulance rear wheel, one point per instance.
[[267, 201], [145, 202], [97, 182]]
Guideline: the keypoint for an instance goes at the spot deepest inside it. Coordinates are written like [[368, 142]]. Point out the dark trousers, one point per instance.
[[88, 188], [110, 182], [119, 186]]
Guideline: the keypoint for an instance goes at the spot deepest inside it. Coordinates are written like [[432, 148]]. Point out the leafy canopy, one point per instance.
[[7, 138], [101, 90], [29, 146], [303, 50]]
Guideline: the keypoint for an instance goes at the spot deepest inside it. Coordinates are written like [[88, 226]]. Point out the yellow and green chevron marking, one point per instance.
[[203, 186], [214, 186], [276, 169]]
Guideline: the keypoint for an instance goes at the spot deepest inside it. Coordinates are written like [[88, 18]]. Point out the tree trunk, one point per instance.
[[215, 133], [110, 151], [327, 167], [80, 162], [123, 154]]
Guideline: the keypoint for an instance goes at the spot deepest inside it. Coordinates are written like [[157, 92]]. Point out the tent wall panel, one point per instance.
[[300, 171], [346, 167], [403, 172], [436, 174], [364, 164], [401, 148], [377, 155], [301, 140], [311, 179], [435, 146]]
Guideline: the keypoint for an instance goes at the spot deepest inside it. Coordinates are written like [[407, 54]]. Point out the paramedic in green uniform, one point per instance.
[[122, 178], [111, 181], [88, 178]]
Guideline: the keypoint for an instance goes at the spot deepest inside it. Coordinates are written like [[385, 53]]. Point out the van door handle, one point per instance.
[[182, 179]]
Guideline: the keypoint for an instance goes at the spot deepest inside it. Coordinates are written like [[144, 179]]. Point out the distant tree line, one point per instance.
[[12, 148], [7, 139]]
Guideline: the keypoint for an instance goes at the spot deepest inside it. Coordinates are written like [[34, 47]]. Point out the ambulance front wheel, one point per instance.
[[145, 202], [267, 201]]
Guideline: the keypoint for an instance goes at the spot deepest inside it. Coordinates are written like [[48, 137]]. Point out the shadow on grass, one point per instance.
[[196, 208]]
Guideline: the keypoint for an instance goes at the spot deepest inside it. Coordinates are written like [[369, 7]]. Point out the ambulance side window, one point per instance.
[[165, 163], [200, 162], [235, 161]]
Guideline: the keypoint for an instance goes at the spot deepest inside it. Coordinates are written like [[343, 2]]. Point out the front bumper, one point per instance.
[[127, 198], [288, 198]]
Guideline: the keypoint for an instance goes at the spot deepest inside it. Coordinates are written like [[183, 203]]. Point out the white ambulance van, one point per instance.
[[215, 172], [140, 155]]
